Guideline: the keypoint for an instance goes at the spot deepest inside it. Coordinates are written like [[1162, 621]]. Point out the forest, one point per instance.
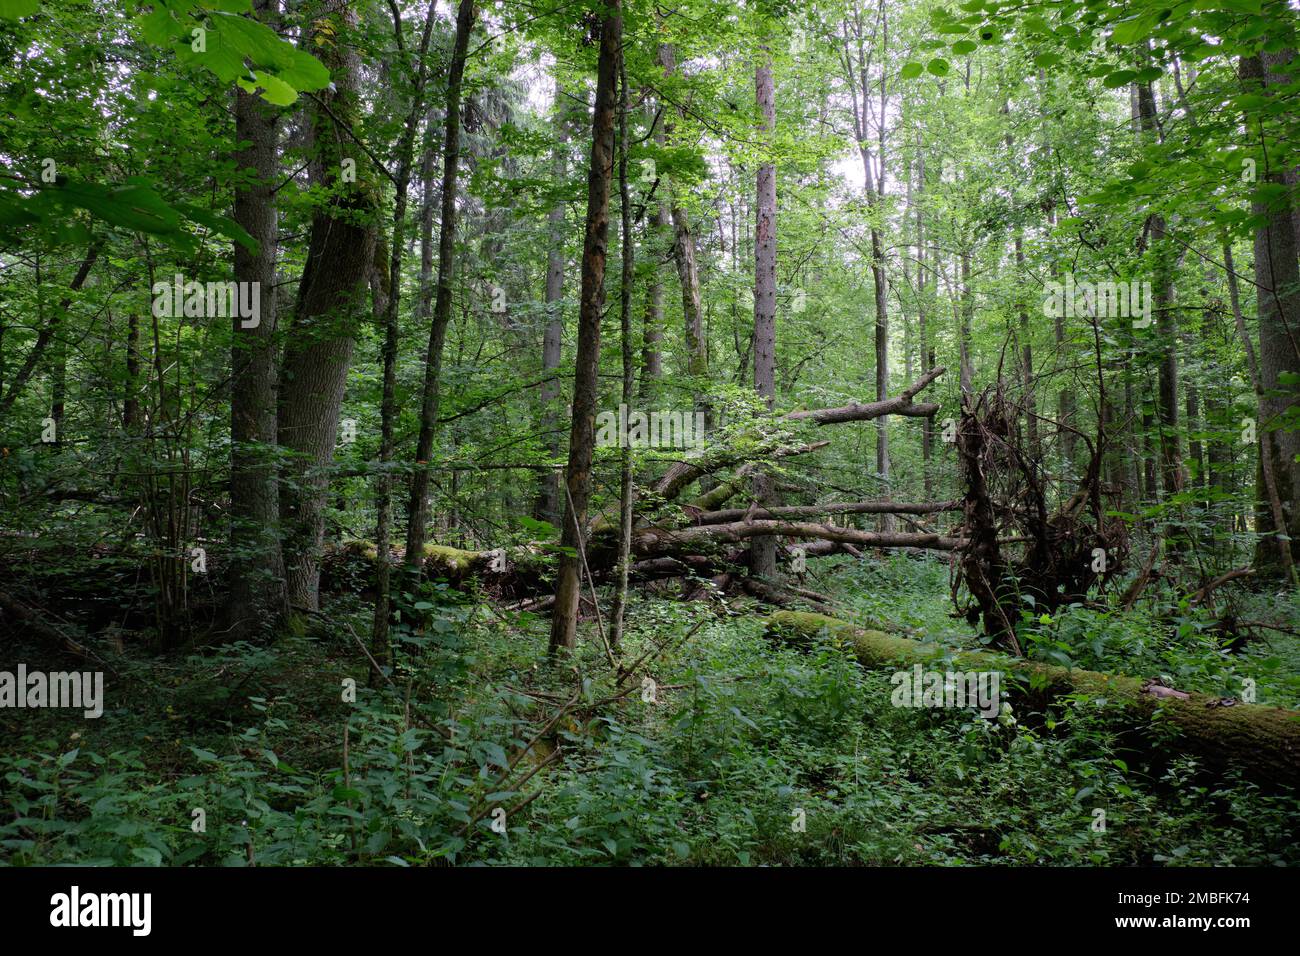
[[672, 433]]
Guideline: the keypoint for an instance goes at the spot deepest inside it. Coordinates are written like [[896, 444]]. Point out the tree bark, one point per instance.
[[629, 371], [688, 272], [549, 507], [564, 620], [379, 643], [257, 574], [329, 310], [1277, 283], [762, 551], [418, 503]]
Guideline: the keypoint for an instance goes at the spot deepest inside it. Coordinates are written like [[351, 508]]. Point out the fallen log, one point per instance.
[[652, 541], [832, 508], [684, 472], [1263, 741], [900, 404]]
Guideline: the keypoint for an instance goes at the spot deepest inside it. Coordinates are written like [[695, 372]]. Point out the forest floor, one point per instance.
[[745, 750]]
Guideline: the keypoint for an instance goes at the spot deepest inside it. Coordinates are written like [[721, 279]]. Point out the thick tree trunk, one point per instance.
[[1277, 283], [1267, 471], [330, 308], [658, 244], [257, 574]]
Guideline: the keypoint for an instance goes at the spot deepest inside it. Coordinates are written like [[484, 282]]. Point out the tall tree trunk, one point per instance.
[[1026, 351], [688, 272], [330, 308], [586, 382], [131, 391], [652, 358], [549, 507], [380, 649], [964, 327], [856, 62], [1277, 283], [629, 370], [418, 505], [1267, 470], [922, 330], [762, 550], [257, 574], [1171, 458], [660, 241]]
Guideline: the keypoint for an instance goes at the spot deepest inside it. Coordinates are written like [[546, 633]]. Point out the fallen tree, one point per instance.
[[683, 473], [694, 537], [648, 541], [1263, 741], [1064, 551]]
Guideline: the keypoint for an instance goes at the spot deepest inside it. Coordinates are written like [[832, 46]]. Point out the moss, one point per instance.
[[455, 559], [1264, 740]]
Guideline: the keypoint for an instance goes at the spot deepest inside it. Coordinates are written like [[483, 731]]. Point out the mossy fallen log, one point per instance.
[[514, 572], [1263, 741]]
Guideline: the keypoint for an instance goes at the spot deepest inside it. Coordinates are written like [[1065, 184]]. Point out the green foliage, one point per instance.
[[741, 736]]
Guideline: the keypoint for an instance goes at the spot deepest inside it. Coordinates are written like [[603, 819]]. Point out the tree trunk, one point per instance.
[[564, 620], [549, 507], [697, 347], [380, 649], [257, 574], [1264, 741], [762, 551], [1267, 471], [418, 504], [624, 556], [1171, 456], [1277, 283], [330, 309]]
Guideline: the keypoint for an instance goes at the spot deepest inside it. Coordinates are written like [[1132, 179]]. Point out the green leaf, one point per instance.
[[962, 47], [13, 9], [136, 207], [219, 224], [1131, 31], [148, 855], [911, 71], [1114, 81], [938, 66]]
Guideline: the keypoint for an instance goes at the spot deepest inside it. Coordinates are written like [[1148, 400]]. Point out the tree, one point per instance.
[[328, 311], [762, 553], [418, 506], [564, 618]]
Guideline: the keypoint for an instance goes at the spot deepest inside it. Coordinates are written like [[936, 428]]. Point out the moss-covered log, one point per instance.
[[514, 572], [1263, 741]]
